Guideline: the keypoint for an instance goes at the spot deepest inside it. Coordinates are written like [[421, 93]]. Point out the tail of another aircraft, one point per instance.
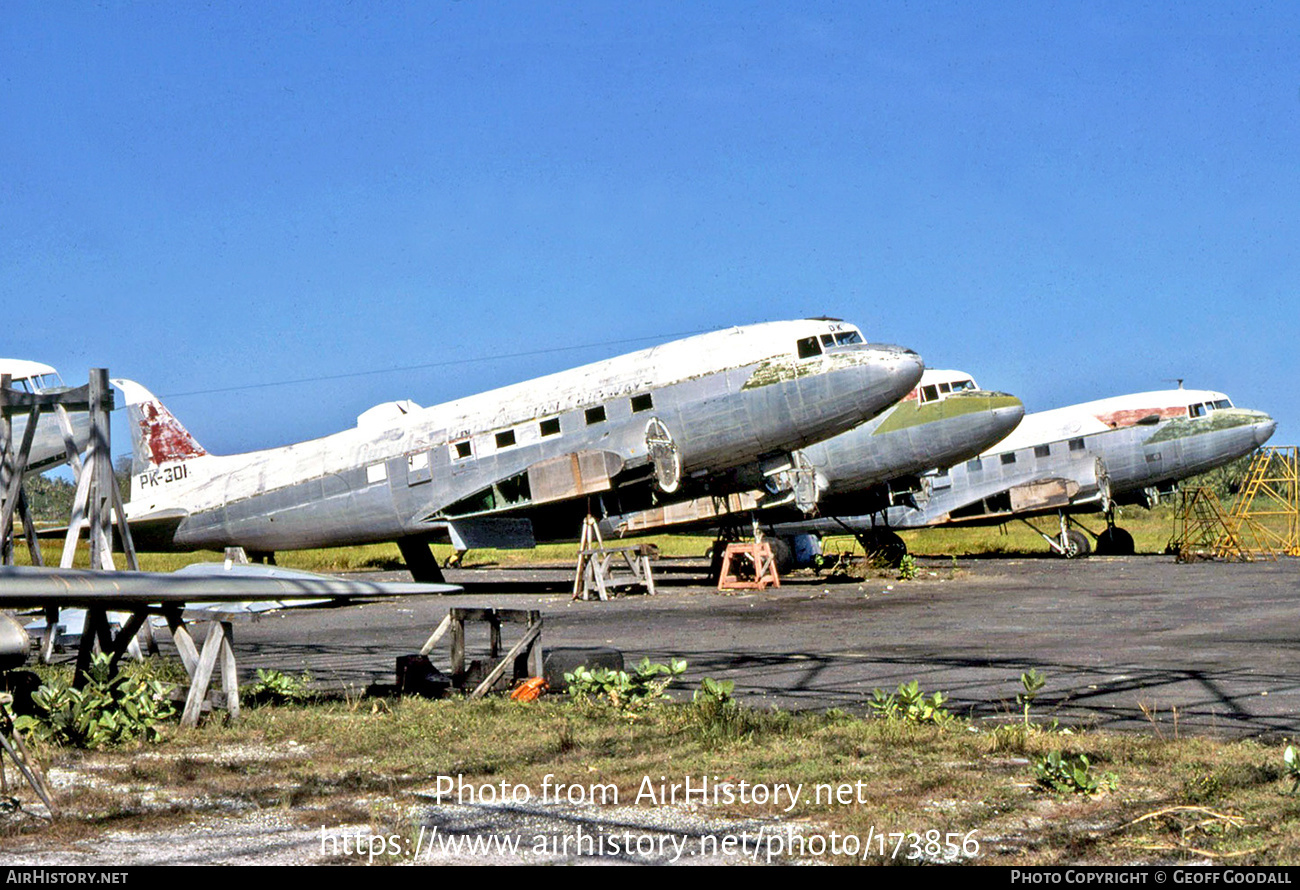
[[157, 437]]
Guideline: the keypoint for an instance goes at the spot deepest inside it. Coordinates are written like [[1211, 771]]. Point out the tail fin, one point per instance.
[[156, 436]]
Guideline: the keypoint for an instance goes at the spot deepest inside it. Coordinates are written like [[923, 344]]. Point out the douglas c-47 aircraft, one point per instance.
[[1083, 457], [946, 419], [482, 470]]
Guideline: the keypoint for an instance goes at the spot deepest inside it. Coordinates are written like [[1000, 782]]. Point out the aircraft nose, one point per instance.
[[903, 366], [1264, 429], [1007, 408]]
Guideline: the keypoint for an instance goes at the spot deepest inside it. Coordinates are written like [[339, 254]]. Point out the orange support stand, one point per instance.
[[758, 555]]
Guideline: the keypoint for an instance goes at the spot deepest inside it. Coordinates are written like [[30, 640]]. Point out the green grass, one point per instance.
[[1151, 530], [1176, 800]]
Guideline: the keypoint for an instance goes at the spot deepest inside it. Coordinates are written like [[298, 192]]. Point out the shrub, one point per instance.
[[109, 710]]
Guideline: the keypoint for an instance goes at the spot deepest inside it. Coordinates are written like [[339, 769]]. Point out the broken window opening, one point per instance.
[[550, 427], [595, 415], [809, 347], [643, 402], [506, 439], [462, 450]]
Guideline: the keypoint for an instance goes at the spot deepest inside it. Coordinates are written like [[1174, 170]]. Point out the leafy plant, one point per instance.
[[1070, 774], [1032, 682], [907, 570], [276, 688], [716, 714], [109, 710], [712, 690], [910, 704], [626, 692], [1292, 761]]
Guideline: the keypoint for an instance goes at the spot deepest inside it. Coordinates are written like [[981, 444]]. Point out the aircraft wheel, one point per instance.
[[782, 554], [1076, 544], [1115, 541], [884, 547]]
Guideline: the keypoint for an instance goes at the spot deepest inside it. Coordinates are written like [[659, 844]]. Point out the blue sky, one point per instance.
[[425, 200]]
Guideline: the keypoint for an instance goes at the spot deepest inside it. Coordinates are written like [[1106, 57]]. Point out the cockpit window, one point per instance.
[[847, 338], [963, 385], [828, 339], [929, 393], [808, 347], [1221, 404], [1195, 410]]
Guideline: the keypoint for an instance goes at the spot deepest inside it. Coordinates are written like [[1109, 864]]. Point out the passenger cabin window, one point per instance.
[[1042, 450], [462, 450], [506, 439], [973, 465], [1076, 444], [595, 415], [550, 427], [643, 402], [808, 347], [1009, 458]]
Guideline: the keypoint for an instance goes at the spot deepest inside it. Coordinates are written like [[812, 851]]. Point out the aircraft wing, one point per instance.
[[31, 587]]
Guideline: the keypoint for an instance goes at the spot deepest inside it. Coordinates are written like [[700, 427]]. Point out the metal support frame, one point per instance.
[[1265, 516], [1203, 531]]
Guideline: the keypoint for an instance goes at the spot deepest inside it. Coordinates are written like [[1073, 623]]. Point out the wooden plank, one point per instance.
[[181, 638], [229, 672], [202, 677], [529, 636], [436, 635]]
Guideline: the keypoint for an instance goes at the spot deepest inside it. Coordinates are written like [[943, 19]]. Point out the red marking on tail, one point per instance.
[[164, 436]]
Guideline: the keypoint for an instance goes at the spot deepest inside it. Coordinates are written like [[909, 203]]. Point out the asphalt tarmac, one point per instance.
[[1124, 642]]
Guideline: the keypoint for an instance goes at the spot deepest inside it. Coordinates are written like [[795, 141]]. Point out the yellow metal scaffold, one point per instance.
[[1202, 530], [1266, 515]]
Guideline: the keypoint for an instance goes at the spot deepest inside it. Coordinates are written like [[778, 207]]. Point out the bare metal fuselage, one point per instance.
[[478, 467]]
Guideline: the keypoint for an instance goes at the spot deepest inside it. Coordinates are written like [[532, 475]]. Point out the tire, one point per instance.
[[559, 662], [883, 547], [1077, 545], [1115, 541], [782, 555]]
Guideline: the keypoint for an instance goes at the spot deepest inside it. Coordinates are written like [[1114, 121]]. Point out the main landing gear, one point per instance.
[[1072, 541], [883, 546], [1114, 541]]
